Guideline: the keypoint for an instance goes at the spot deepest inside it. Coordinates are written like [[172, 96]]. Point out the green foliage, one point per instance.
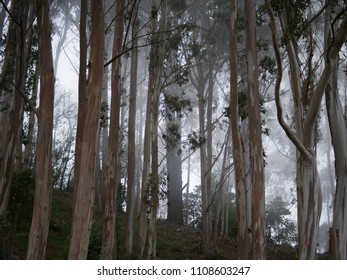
[[176, 103], [197, 50], [22, 193], [32, 64], [172, 135], [121, 197], [267, 65], [279, 228], [194, 141], [162, 186], [19, 210], [104, 115], [194, 208], [174, 108], [296, 10], [177, 6], [154, 12], [95, 239]]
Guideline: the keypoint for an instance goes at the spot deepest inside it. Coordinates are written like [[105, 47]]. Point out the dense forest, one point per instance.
[[217, 125]]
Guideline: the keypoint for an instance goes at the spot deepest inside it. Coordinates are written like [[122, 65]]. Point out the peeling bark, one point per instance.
[[240, 176], [84, 184], [43, 178], [256, 148]]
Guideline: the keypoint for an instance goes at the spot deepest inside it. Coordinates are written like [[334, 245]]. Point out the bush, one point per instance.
[[279, 228]]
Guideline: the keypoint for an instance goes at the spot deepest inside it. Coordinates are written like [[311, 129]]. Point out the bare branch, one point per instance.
[[9, 13]]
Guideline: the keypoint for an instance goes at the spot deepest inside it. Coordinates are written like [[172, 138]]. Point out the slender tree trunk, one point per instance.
[[103, 137], [174, 171], [129, 232], [338, 231], [11, 104], [43, 180], [145, 172], [82, 93], [157, 59], [84, 183], [218, 221], [206, 237], [240, 175], [108, 246], [308, 183], [256, 148], [139, 161], [187, 193], [174, 162]]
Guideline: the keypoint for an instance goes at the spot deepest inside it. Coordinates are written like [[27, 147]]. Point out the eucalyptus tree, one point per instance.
[[108, 247], [240, 176], [338, 132], [255, 134], [308, 87], [129, 232], [176, 105], [12, 90], [207, 48], [88, 122], [43, 166], [150, 172]]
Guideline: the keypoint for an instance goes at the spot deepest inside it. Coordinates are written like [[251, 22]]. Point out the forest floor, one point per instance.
[[173, 242]]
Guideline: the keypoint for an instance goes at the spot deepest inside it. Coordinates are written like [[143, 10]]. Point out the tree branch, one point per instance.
[[291, 135], [9, 13], [332, 54], [26, 99]]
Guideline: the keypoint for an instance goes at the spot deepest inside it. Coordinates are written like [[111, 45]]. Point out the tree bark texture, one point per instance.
[[308, 183], [338, 133], [157, 56], [240, 176], [256, 149], [129, 232], [108, 247], [12, 80], [84, 186], [43, 178]]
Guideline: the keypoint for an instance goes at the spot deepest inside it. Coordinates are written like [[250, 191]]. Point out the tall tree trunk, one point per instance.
[[174, 172], [218, 221], [108, 246], [174, 161], [10, 100], [206, 233], [129, 232], [256, 149], [141, 240], [43, 181], [103, 136], [308, 183], [338, 134], [237, 147], [156, 60], [82, 92], [84, 183], [186, 214]]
